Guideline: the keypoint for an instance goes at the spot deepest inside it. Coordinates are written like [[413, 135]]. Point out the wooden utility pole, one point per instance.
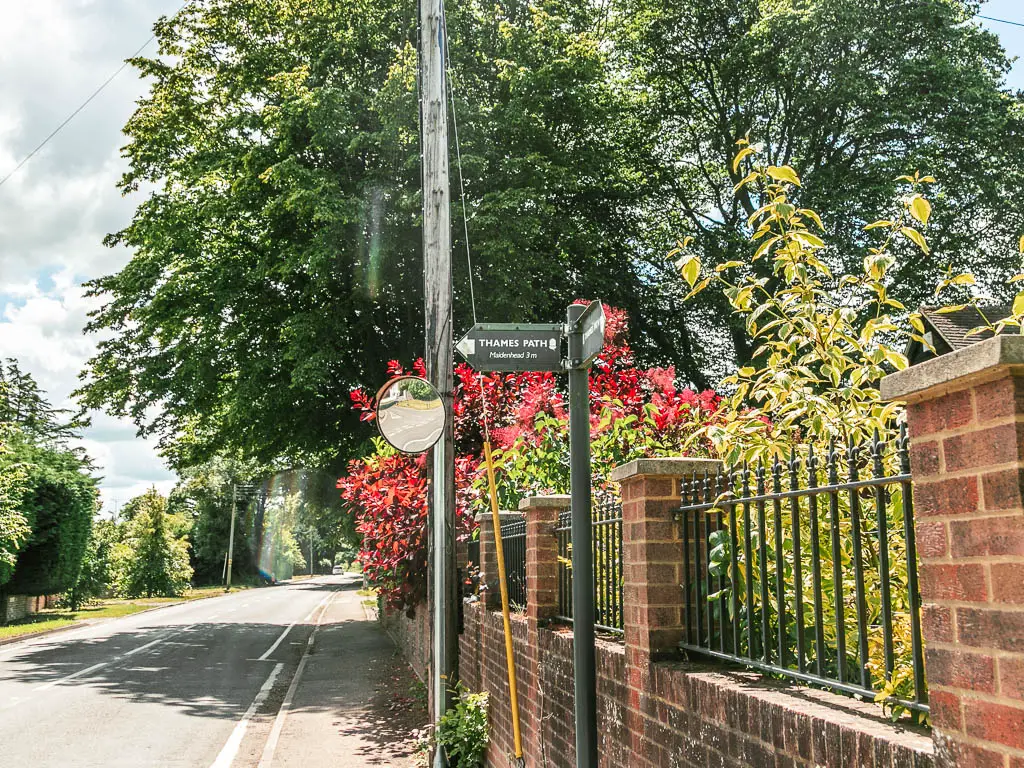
[[437, 284]]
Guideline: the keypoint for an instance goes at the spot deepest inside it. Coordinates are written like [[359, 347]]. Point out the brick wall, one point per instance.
[[966, 419], [965, 412], [410, 630], [692, 716], [15, 607], [653, 709]]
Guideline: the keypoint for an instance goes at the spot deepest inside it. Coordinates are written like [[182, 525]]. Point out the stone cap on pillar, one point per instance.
[[505, 515], [957, 370], [552, 501], [674, 466]]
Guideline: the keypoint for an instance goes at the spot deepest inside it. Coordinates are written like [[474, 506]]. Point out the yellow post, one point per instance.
[[500, 552]]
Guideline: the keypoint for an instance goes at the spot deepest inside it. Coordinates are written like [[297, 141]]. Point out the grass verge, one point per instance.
[[57, 618]]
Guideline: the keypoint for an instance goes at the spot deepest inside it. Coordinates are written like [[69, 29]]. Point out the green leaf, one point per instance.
[[920, 209], [916, 237], [1018, 305], [739, 158], [690, 269], [728, 265], [750, 177], [783, 173]]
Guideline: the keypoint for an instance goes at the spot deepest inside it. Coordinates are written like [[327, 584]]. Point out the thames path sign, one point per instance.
[[519, 347], [513, 347]]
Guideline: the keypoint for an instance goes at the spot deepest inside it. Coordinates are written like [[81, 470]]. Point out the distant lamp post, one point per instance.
[[247, 488]]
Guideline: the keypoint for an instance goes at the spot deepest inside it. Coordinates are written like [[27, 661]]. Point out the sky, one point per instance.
[[56, 210]]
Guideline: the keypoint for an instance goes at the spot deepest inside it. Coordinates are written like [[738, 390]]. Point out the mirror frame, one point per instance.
[[376, 410]]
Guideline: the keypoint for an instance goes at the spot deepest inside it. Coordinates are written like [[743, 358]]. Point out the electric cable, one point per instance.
[[462, 194], [83, 105], [458, 157], [1001, 21]]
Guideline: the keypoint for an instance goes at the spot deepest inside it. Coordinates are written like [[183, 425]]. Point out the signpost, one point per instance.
[[512, 347], [591, 326]]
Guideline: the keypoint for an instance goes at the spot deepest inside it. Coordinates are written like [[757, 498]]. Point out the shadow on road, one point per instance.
[[356, 689]]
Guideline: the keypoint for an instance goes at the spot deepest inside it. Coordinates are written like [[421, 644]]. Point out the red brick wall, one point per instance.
[[692, 716], [967, 454], [412, 635]]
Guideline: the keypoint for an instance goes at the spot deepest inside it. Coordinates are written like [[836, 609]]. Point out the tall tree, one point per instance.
[[158, 564], [58, 500], [277, 263], [277, 258], [205, 491], [47, 493], [14, 527], [24, 405], [853, 93]]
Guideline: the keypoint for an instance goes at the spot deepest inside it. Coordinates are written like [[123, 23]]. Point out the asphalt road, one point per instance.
[[412, 429], [199, 684]]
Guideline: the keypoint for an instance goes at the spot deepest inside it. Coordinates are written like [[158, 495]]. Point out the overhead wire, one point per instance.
[[83, 105], [488, 457], [462, 194], [1001, 21]]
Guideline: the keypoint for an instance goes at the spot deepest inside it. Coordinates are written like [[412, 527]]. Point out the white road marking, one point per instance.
[[230, 749], [275, 732], [95, 667], [289, 628]]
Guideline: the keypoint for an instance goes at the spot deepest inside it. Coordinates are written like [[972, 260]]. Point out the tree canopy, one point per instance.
[[854, 93], [277, 265], [277, 250], [47, 491]]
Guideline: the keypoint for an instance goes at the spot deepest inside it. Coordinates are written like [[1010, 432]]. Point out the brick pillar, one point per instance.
[[652, 556], [541, 606], [542, 555], [490, 590], [964, 412]]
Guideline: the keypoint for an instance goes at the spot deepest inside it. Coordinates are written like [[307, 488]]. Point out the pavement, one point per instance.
[[269, 678]]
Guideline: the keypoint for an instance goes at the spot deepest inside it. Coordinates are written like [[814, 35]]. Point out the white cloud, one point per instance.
[[55, 212], [44, 333]]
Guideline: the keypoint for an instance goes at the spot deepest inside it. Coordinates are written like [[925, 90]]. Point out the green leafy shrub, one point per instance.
[[58, 500], [97, 574], [153, 555], [822, 341], [14, 528], [463, 729]]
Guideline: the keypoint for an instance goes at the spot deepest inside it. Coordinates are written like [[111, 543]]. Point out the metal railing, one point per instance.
[[513, 539], [607, 548], [794, 572]]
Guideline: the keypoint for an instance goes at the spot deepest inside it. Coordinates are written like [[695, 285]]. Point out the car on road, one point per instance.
[[338, 569]]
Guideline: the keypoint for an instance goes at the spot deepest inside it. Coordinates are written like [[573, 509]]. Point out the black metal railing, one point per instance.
[[606, 527], [790, 570], [513, 539]]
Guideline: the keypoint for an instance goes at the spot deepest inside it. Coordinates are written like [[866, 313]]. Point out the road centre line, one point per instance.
[[275, 732], [288, 629], [230, 748]]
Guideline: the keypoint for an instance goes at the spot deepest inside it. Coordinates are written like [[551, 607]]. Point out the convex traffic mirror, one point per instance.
[[410, 414]]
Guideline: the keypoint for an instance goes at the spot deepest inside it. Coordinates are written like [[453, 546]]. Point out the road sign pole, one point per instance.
[[582, 548]]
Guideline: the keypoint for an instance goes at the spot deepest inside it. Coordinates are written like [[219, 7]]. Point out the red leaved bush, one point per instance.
[[388, 491]]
